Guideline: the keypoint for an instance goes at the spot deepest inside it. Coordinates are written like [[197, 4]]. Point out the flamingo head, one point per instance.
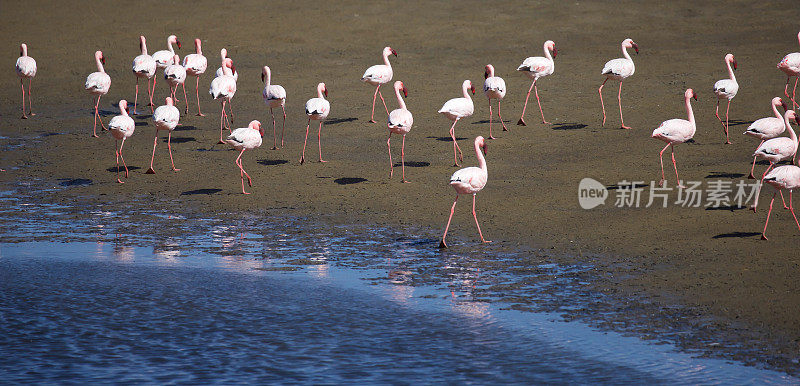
[[629, 43], [176, 59], [23, 49], [256, 125], [325, 90], [730, 58], [169, 101], [488, 71], [468, 86], [404, 90], [389, 51], [777, 101], [99, 56], [265, 72], [481, 142], [197, 45], [223, 53], [123, 106], [790, 114], [552, 47]]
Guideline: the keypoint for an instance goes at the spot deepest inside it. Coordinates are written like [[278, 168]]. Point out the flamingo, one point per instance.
[[782, 177], [175, 74], [26, 68], [122, 127], [536, 67], [223, 53], [98, 83], [778, 149], [469, 181], [196, 64], [767, 128], [727, 89], [458, 108], [377, 75], [144, 66], [245, 138], [164, 58], [317, 109], [223, 87], [400, 122], [790, 65], [494, 87], [274, 95], [165, 118], [676, 131], [618, 69]]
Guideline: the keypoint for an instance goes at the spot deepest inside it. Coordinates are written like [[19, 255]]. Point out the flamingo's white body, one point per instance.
[[536, 67], [778, 149], [618, 69], [783, 177], [494, 87], [144, 66], [726, 89], [767, 128], [175, 75], [223, 53], [223, 87], [790, 65], [98, 83], [165, 118], [469, 180], [317, 109], [458, 108], [377, 75], [676, 131], [274, 96], [400, 122], [122, 127], [245, 138], [26, 69], [196, 65]]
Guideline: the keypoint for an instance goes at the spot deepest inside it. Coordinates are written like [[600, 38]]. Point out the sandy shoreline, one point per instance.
[[709, 260]]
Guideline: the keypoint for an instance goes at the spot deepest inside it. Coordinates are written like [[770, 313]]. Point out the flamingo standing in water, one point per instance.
[[164, 58], [122, 127], [195, 65], [767, 128], [458, 108], [783, 177], [144, 66], [377, 75], [536, 67], [790, 65], [317, 109], [98, 83], [494, 87], [166, 118], [676, 131], [245, 138], [400, 122], [175, 74], [618, 69], [726, 89], [469, 181], [26, 68], [778, 149], [274, 96], [223, 87]]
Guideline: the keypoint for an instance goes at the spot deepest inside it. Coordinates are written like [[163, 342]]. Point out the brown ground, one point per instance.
[[534, 171]]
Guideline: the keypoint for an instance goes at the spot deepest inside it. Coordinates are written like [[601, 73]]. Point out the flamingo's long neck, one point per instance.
[[99, 64], [123, 109], [24, 49], [222, 54], [775, 110], [550, 57], [625, 53], [386, 58], [268, 80], [400, 100], [144, 46], [198, 49], [319, 92], [798, 38], [689, 111], [481, 158], [169, 44], [465, 89], [792, 134], [730, 70]]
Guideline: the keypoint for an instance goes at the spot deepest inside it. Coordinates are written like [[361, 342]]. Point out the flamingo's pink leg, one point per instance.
[[155, 78], [490, 120], [791, 209], [303, 156], [30, 99], [661, 159], [169, 146], [678, 179], [455, 144], [403, 158], [22, 85], [782, 200], [619, 99], [117, 154], [222, 121], [727, 125], [443, 244], [384, 102], [185, 99], [274, 132], [389, 146], [123, 158], [319, 142], [283, 126], [764, 232], [720, 119], [96, 117], [230, 108], [536, 90], [521, 121], [751, 176], [372, 117], [476, 220], [500, 116], [136, 98], [796, 78], [155, 142], [242, 173], [760, 183], [197, 93], [602, 105], [150, 93]]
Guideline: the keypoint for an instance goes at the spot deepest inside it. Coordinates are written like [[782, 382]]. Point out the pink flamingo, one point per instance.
[[377, 75], [166, 118], [122, 127], [175, 74], [767, 128], [400, 122], [790, 65], [223, 87], [536, 67], [26, 69], [223, 53], [196, 64], [144, 66], [778, 149], [782, 177], [274, 96], [727, 89], [458, 108], [317, 109], [618, 69], [164, 58], [469, 181], [494, 87], [245, 138], [676, 131], [98, 83]]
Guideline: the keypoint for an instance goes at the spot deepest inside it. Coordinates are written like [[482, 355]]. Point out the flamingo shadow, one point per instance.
[[180, 139], [569, 126], [349, 180], [446, 139], [272, 162], [740, 235], [737, 122], [143, 116], [727, 207], [105, 113], [74, 181], [413, 164], [200, 191], [485, 121], [185, 128], [113, 169], [725, 175], [140, 123], [336, 121]]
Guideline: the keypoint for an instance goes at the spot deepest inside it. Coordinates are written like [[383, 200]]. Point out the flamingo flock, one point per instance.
[[773, 147]]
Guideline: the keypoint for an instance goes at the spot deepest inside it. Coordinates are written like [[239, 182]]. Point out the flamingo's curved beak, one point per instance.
[[405, 92], [635, 48], [472, 88], [555, 52], [103, 59], [233, 69], [486, 74], [260, 130], [797, 119], [394, 52], [262, 77], [325, 91], [783, 104], [485, 147], [179, 43], [734, 64], [694, 95]]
